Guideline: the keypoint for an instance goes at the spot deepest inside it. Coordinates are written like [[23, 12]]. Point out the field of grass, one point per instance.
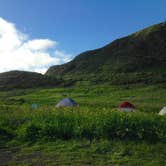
[[95, 133]]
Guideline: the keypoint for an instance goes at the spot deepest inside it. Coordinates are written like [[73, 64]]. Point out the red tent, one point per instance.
[[126, 105]]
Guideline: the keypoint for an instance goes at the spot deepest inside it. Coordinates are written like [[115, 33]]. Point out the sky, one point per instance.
[[36, 34]]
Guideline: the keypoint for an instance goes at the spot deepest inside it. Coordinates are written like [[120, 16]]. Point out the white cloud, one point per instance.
[[40, 44], [17, 52]]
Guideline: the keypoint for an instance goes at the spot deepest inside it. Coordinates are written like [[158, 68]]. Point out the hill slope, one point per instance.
[[23, 79], [139, 57]]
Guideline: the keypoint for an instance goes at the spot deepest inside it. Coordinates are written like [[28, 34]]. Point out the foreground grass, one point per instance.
[[48, 136], [76, 123], [84, 152], [93, 134]]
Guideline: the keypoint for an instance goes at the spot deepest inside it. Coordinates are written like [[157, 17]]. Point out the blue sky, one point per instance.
[[80, 25]]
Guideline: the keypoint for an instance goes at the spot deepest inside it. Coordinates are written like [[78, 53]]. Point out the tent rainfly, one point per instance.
[[67, 102], [163, 111], [127, 106]]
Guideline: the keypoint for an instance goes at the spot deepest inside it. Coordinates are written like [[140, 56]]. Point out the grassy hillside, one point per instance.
[[140, 57], [94, 133], [23, 79]]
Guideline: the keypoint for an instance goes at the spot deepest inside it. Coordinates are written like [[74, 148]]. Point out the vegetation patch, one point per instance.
[[52, 124], [95, 133]]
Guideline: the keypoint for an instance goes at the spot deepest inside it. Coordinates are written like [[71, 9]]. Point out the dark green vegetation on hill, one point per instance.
[[93, 134], [22, 79], [140, 57]]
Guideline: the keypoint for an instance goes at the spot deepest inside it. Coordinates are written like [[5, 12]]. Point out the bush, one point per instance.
[[6, 133]]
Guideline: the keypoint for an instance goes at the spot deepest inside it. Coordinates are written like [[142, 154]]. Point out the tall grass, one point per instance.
[[50, 124]]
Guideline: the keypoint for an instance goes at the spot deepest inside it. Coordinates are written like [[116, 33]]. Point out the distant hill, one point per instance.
[[139, 57], [22, 79]]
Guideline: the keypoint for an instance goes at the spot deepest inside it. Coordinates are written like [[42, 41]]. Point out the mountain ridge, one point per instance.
[[136, 58], [142, 52]]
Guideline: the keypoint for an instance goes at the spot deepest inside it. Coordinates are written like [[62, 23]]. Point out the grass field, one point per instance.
[[95, 133]]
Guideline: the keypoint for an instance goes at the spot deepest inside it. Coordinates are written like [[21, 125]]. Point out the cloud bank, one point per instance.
[[18, 52]]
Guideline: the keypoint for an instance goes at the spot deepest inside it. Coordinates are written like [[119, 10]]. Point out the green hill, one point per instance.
[[139, 57], [22, 79]]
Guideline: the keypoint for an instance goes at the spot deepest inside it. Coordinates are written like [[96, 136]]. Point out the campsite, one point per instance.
[[82, 83], [95, 132]]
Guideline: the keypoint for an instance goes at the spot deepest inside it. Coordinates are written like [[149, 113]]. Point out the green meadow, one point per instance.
[[95, 133]]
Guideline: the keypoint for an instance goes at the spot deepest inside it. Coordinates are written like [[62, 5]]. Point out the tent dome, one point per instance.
[[34, 106], [127, 106], [163, 111], [67, 102]]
